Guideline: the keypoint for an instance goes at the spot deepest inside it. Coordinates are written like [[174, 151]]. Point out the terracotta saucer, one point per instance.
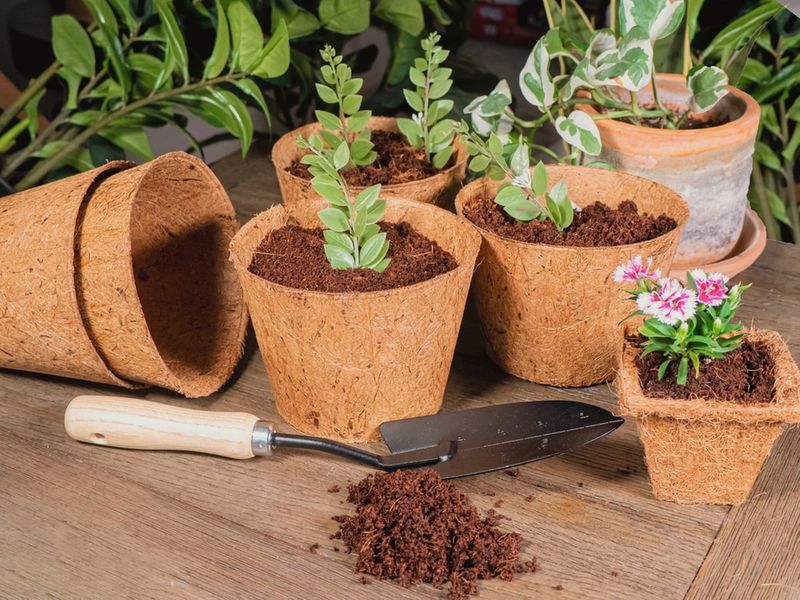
[[751, 244]]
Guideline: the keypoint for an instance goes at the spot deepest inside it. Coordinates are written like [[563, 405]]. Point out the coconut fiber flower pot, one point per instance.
[[439, 189], [340, 364], [709, 451], [709, 167], [552, 314], [118, 275]]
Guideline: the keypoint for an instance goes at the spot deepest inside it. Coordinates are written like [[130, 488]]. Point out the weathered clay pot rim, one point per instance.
[[460, 155], [749, 120], [681, 208], [786, 407], [388, 293]]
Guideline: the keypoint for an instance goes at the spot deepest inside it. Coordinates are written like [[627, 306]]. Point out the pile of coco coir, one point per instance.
[[413, 526]]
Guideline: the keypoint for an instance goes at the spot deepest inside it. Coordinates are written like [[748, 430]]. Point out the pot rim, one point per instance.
[[682, 210], [408, 205], [287, 139], [748, 121], [785, 408]]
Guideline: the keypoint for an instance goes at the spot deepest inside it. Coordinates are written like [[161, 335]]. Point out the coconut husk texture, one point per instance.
[[340, 364], [124, 270], [709, 451], [552, 314], [439, 189]]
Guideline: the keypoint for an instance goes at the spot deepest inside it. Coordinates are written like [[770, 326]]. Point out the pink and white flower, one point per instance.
[[711, 287], [635, 270], [669, 303]]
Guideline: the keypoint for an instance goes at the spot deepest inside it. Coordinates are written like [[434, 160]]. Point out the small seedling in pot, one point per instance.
[[339, 87], [428, 129], [525, 197], [683, 323], [353, 238]]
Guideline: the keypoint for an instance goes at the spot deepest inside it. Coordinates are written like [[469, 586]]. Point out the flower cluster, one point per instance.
[[683, 323]]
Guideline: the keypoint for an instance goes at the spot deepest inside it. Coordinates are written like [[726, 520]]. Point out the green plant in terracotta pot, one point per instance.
[[710, 398], [357, 320], [416, 158], [691, 132]]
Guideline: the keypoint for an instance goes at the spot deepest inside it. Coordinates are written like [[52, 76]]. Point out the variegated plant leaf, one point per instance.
[[488, 112], [520, 164], [580, 130], [659, 18], [534, 79], [708, 86], [631, 65]]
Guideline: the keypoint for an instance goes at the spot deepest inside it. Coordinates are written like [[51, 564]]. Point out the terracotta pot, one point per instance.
[[551, 314], [709, 451], [340, 364], [118, 275], [710, 168], [439, 189]]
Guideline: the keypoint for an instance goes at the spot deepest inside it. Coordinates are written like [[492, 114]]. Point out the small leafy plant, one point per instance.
[[339, 87], [524, 197], [354, 239], [683, 323], [428, 129]]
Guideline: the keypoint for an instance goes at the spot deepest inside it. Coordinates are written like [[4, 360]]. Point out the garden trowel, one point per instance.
[[455, 444]]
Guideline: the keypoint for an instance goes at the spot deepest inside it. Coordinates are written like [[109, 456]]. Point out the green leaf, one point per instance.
[[31, 109], [274, 59], [103, 15], [358, 121], [339, 258], [741, 29], [123, 9], [73, 81], [406, 15], [249, 87], [222, 46], [479, 163], [441, 157], [777, 207], [147, 69], [174, 37], [299, 21], [351, 104], [326, 94], [580, 130], [374, 249], [222, 108], [794, 110], [132, 139], [708, 86], [683, 370], [659, 18], [791, 148], [413, 99], [334, 219], [779, 84], [344, 16], [72, 46], [85, 117], [523, 210], [411, 130], [439, 88], [246, 36], [632, 63], [510, 194], [329, 190], [341, 157], [539, 180], [767, 157], [662, 368], [342, 240], [375, 212], [328, 120], [368, 196]]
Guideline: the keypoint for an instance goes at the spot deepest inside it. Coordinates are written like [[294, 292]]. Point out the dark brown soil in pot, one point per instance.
[[397, 162], [593, 226], [414, 527], [746, 375], [294, 256], [689, 120]]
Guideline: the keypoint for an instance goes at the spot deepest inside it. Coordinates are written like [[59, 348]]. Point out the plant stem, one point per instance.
[[667, 113], [38, 172], [37, 84], [425, 100], [790, 195]]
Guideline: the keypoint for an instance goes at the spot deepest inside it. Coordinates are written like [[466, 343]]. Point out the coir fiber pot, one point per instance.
[[552, 314], [709, 167], [119, 275], [709, 451], [340, 364], [439, 189]]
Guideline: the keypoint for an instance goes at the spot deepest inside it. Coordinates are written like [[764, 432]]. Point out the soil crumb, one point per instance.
[[397, 162], [334, 489], [313, 548], [595, 225], [414, 527], [294, 256], [512, 472]]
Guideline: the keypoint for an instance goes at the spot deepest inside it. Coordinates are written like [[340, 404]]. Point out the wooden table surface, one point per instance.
[[79, 521]]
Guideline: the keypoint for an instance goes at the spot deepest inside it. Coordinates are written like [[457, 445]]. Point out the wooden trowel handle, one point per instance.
[[143, 425]]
